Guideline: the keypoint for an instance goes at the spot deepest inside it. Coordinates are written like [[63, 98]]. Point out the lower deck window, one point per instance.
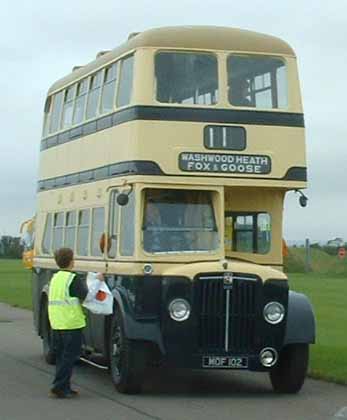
[[248, 232], [179, 221]]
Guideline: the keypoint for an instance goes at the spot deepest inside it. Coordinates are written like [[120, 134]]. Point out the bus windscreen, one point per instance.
[[179, 221]]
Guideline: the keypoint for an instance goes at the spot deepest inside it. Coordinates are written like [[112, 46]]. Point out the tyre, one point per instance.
[[288, 375], [47, 336], [127, 358]]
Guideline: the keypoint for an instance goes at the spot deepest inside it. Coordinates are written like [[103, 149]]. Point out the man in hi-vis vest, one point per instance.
[[67, 291]]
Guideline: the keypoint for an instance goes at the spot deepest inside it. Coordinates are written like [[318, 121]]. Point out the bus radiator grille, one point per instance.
[[227, 317]]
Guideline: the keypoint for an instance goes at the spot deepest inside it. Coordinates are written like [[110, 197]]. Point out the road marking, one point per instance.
[[341, 414]]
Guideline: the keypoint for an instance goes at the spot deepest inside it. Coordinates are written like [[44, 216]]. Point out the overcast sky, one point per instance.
[[40, 41]]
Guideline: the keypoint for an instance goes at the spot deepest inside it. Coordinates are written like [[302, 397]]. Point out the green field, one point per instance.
[[327, 292], [15, 284]]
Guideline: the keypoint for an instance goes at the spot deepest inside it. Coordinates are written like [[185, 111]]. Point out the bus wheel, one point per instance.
[[127, 359], [288, 375], [47, 337]]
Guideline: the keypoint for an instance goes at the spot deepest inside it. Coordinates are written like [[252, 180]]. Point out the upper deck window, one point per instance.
[[93, 95], [56, 112], [125, 81], [109, 88], [186, 78], [258, 82], [69, 97], [179, 221], [81, 95], [48, 105]]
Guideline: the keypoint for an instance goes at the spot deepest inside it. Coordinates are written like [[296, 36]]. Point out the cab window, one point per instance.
[[248, 232]]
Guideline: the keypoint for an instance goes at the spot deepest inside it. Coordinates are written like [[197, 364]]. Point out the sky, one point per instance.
[[41, 41]]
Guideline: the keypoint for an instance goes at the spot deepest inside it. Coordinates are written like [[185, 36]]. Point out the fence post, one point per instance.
[[308, 267]]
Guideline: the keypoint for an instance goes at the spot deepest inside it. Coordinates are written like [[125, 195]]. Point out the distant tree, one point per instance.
[[10, 247]]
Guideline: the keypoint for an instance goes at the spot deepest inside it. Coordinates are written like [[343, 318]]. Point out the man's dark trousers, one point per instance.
[[67, 344]]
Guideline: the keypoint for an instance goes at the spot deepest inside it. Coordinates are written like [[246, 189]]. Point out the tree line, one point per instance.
[[10, 247]]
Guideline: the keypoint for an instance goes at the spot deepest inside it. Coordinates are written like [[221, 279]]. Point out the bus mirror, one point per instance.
[[122, 199], [303, 200]]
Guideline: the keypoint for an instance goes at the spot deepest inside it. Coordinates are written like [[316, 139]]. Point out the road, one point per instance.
[[173, 395]]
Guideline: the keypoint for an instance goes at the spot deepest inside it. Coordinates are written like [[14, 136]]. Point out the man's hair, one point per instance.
[[63, 257]]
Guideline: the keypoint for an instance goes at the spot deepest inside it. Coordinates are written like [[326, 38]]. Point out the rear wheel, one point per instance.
[[47, 336], [127, 358], [288, 375]]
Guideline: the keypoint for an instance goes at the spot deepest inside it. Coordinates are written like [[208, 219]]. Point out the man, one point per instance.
[[67, 291], [239, 93]]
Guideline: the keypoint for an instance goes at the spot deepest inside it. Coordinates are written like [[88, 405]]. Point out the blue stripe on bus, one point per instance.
[[139, 167], [165, 113]]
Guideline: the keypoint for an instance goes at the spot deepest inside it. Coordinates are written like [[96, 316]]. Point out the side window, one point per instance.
[[47, 236], [127, 228], [69, 96], [248, 232], [58, 230], [109, 87], [93, 95], [46, 121], [263, 233], [80, 102], [56, 112], [113, 225], [125, 81], [70, 230], [98, 222], [83, 232]]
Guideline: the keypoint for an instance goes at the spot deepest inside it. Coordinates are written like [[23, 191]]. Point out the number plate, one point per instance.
[[226, 362]]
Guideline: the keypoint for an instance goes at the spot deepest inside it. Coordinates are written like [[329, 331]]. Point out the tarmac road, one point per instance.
[[175, 395]]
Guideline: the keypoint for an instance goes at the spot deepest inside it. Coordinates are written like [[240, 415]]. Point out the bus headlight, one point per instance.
[[179, 309], [274, 312]]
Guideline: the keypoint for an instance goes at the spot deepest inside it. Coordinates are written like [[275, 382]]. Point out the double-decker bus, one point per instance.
[[164, 164]]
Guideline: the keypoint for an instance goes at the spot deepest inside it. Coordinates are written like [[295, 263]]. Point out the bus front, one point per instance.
[[225, 130]]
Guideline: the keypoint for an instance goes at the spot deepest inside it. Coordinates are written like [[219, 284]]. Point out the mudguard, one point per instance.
[[144, 329], [301, 323]]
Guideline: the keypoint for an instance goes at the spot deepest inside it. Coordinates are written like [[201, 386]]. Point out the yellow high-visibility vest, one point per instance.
[[64, 312]]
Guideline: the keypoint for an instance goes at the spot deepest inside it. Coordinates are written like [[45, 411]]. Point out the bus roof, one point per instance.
[[194, 37]]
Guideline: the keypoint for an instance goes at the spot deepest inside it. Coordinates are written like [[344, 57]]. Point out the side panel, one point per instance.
[[40, 278], [301, 323]]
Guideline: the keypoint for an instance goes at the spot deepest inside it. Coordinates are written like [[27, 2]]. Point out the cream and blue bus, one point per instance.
[[164, 163]]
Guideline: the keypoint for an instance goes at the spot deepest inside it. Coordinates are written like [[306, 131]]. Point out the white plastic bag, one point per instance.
[[99, 299]]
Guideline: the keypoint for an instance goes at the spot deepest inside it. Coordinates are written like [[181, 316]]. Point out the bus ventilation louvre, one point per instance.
[[228, 316]]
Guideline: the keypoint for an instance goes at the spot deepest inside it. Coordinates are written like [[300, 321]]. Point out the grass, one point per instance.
[[321, 262], [327, 292], [15, 284]]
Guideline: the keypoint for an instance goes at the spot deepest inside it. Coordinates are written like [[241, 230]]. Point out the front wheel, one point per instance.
[[288, 375], [47, 337], [127, 358]]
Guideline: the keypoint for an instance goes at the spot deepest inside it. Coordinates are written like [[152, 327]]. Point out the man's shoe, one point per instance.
[[57, 393]]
